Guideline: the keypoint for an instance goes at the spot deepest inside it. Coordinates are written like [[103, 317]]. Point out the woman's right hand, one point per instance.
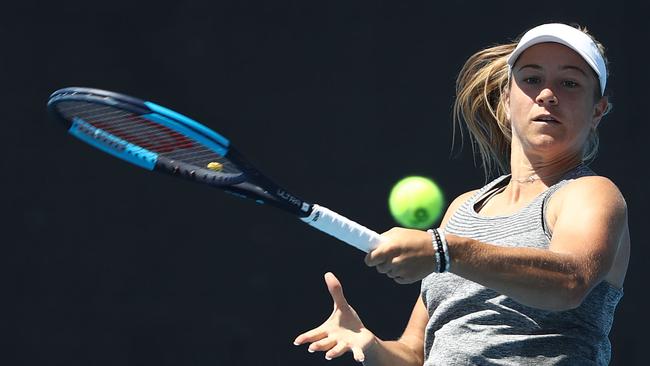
[[343, 331]]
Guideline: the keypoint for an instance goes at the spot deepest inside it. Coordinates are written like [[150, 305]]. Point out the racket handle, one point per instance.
[[343, 228]]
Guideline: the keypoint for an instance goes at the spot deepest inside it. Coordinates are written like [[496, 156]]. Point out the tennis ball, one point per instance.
[[416, 202]]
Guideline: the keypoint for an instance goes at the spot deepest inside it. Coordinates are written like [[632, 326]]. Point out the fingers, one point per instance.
[[358, 355], [334, 349], [337, 350], [377, 256], [384, 252], [324, 344], [343, 331], [393, 266], [404, 281], [385, 268], [396, 271], [336, 290], [310, 336]]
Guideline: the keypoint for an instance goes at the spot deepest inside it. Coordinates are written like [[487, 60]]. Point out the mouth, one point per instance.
[[546, 118]]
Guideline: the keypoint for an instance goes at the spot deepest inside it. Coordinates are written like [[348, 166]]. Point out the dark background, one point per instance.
[[107, 264]]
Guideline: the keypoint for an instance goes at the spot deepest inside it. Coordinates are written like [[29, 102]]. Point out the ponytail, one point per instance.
[[480, 89]]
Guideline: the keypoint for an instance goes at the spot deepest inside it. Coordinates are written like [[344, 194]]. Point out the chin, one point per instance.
[[544, 142], [544, 145]]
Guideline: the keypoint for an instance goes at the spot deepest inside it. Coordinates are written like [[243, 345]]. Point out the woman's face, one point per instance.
[[551, 101]]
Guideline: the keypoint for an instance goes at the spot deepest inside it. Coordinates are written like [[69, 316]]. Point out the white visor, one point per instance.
[[570, 37]]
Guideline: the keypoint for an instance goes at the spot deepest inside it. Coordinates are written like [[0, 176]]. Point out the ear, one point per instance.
[[600, 109], [505, 96]]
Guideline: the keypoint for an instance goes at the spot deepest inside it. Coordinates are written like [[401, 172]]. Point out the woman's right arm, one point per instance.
[[344, 332]]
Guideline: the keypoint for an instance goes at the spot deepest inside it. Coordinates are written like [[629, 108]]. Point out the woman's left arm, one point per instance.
[[588, 222]]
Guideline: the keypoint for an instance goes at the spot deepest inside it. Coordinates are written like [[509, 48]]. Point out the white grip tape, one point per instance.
[[343, 228]]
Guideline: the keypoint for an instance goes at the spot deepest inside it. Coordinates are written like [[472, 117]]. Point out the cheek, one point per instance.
[[519, 108], [583, 115], [518, 101]]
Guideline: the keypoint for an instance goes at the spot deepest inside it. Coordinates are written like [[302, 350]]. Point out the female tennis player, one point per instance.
[[528, 269]]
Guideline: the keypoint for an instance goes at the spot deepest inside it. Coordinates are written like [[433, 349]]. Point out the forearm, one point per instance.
[[392, 353], [534, 277]]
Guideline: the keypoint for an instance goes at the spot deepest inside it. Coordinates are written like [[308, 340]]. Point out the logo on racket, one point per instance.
[[213, 165], [289, 198]]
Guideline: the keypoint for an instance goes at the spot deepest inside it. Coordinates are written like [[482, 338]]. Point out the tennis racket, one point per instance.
[[156, 138]]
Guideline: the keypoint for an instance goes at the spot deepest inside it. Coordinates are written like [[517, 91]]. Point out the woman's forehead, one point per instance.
[[550, 55]]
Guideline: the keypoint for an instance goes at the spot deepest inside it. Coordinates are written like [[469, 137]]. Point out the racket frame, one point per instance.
[[252, 185]]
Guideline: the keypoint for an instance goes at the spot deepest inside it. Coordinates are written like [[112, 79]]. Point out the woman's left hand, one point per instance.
[[406, 255]]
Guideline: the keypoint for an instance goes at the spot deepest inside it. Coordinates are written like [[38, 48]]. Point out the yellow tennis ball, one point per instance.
[[416, 202]]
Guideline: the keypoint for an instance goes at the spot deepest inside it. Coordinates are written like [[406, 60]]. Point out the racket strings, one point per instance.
[[143, 132], [130, 127]]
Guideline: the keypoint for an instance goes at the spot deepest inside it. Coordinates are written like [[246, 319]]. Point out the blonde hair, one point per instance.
[[480, 108]]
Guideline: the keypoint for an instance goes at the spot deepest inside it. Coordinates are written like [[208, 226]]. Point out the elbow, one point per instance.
[[574, 291], [566, 295]]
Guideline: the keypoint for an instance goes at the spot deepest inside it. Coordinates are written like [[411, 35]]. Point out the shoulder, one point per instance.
[[590, 190], [588, 193]]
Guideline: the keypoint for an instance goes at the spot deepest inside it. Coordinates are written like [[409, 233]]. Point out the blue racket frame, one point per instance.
[[250, 184]]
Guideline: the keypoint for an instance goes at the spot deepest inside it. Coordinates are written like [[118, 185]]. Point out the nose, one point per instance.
[[547, 97]]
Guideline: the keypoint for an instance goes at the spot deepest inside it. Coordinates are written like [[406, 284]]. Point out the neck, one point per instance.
[[529, 171], [531, 178]]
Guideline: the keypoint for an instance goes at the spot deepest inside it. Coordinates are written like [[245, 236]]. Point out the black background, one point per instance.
[[107, 264]]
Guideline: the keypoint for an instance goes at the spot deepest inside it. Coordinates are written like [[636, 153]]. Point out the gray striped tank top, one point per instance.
[[472, 325]]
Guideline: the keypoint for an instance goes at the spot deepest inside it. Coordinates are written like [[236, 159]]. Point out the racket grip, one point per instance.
[[343, 228]]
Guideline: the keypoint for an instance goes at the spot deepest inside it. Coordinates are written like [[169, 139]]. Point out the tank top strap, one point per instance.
[[487, 191]]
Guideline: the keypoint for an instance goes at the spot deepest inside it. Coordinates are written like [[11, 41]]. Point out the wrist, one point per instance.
[[372, 349], [441, 250]]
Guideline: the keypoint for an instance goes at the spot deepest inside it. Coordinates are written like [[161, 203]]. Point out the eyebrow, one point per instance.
[[565, 67]]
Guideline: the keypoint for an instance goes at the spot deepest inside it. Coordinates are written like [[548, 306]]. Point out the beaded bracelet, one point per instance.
[[445, 249], [441, 250], [438, 249]]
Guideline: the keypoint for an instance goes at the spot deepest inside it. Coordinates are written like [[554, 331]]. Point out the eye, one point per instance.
[[532, 80], [570, 84]]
